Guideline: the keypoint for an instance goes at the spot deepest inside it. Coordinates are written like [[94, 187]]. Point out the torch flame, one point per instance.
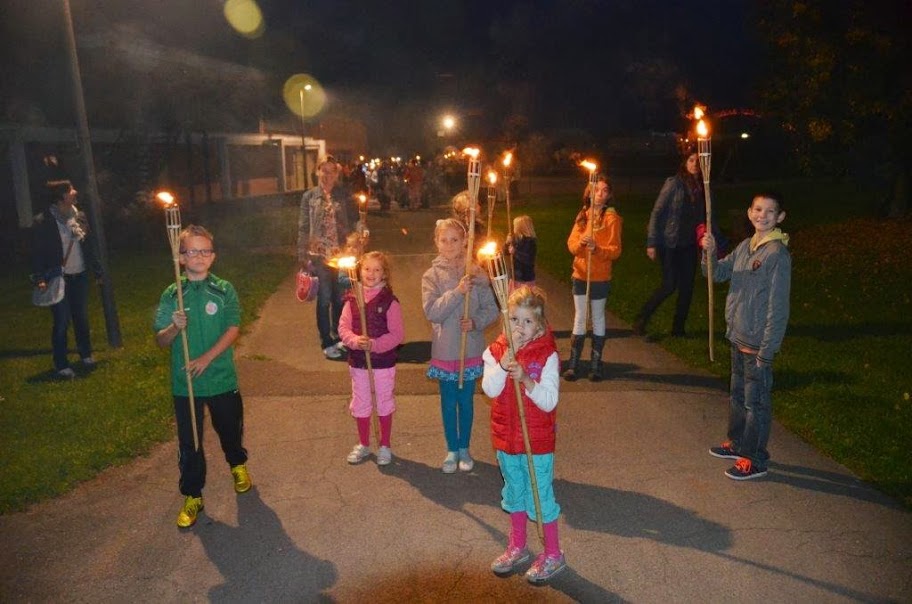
[[472, 152], [589, 165], [702, 129], [362, 198], [492, 177], [347, 262], [699, 112], [488, 250], [165, 197], [508, 158]]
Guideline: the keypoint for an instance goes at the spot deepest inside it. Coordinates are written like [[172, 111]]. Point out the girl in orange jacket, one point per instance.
[[595, 242]]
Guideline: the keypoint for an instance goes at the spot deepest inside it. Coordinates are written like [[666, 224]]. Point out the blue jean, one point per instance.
[[329, 303], [750, 407], [74, 307], [457, 406]]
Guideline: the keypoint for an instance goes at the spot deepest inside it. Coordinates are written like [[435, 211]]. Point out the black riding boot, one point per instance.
[[598, 344], [576, 350]]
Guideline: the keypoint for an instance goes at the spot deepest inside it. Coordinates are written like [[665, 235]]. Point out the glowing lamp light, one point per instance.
[[508, 159], [362, 199], [745, 135], [245, 17], [492, 177], [471, 152], [165, 198]]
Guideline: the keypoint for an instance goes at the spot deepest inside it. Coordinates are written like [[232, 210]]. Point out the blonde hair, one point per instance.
[[531, 298], [353, 244], [195, 230], [449, 223], [523, 227], [384, 261]]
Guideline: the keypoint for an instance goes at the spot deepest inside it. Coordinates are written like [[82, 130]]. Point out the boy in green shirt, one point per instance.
[[211, 316]]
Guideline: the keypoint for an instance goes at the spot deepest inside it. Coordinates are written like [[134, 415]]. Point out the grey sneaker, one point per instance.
[[544, 568], [384, 456], [509, 560], [332, 352], [88, 361], [358, 454], [466, 463], [449, 464], [66, 373]]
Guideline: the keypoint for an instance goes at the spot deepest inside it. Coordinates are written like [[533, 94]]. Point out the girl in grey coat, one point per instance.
[[444, 289]]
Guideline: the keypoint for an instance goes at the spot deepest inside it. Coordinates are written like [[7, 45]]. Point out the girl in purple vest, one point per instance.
[[384, 334], [537, 367]]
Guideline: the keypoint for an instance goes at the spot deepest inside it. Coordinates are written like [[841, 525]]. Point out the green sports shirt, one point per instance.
[[212, 306]]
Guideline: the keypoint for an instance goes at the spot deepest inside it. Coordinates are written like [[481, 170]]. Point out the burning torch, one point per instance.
[[173, 228], [473, 177], [704, 150]]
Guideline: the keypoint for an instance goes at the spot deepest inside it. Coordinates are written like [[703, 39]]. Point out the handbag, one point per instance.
[[50, 295], [307, 285], [56, 287]]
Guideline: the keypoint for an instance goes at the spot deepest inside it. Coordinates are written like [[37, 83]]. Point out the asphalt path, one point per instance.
[[648, 515]]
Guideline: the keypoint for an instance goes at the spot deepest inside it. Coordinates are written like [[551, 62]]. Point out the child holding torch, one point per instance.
[[381, 336], [445, 288], [212, 318], [536, 368], [756, 314], [595, 242]]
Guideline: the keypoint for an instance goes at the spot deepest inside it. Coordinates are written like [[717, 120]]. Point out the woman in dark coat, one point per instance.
[[59, 244], [672, 240]]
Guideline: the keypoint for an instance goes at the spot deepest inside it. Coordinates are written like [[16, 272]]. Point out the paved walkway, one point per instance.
[[647, 514]]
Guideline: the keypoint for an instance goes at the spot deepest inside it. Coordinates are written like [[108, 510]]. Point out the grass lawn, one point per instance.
[[58, 433], [842, 380]]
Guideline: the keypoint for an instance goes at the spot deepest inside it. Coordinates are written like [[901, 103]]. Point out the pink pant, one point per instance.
[[384, 382]]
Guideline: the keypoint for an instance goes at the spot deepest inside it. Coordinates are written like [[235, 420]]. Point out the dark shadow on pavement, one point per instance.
[[639, 516], [258, 560], [832, 483], [484, 489]]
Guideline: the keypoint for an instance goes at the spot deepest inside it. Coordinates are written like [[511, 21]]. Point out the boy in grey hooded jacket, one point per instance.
[[756, 315]]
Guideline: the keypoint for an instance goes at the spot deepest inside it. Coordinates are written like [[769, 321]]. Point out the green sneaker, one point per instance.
[[189, 511], [242, 482]]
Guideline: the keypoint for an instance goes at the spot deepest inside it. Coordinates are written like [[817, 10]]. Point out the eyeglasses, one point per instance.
[[195, 253]]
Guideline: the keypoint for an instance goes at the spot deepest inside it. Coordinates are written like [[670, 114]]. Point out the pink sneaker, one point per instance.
[[510, 559], [544, 568]]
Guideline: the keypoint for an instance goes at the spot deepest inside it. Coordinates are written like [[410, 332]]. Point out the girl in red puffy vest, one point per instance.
[[385, 332], [537, 368]]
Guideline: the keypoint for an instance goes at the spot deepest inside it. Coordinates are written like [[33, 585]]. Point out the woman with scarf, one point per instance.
[[60, 247]]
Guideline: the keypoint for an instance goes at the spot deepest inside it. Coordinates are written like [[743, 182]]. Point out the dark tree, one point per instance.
[[839, 81]]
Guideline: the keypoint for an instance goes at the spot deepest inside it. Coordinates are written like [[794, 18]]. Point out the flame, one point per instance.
[[508, 159], [165, 198], [699, 112], [488, 250], [589, 165], [362, 198], [471, 152], [492, 177], [702, 129], [347, 262]]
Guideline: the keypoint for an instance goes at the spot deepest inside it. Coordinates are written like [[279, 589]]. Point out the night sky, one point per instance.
[[605, 67]]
